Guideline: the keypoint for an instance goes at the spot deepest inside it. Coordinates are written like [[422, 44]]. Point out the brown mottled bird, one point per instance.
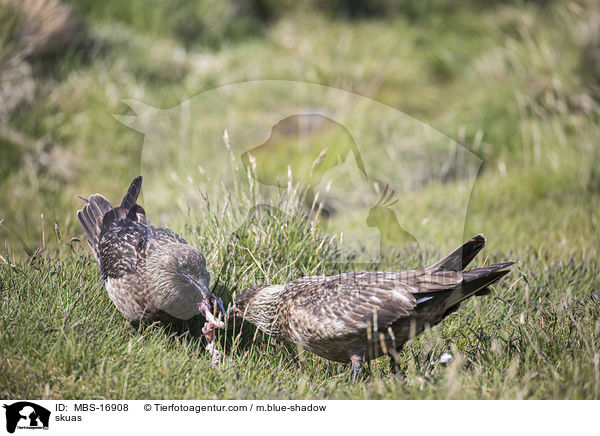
[[356, 317], [150, 272]]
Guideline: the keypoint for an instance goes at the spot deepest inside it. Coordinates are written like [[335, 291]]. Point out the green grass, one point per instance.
[[513, 83], [536, 337]]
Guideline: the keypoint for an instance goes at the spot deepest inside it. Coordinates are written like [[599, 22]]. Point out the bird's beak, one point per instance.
[[231, 311], [211, 302], [218, 303], [200, 285]]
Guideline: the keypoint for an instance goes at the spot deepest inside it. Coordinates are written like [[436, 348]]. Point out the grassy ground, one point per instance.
[[516, 84]]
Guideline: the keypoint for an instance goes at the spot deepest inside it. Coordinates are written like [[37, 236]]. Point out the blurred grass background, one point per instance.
[[516, 82]]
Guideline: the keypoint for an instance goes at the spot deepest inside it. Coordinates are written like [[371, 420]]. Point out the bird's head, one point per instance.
[[181, 269], [258, 305], [242, 301]]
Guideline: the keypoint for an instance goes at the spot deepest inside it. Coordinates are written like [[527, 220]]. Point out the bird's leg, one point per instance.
[[357, 362], [182, 328], [135, 325], [297, 361], [394, 361]]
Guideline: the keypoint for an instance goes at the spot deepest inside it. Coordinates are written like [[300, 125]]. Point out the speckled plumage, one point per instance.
[[356, 317], [150, 272]]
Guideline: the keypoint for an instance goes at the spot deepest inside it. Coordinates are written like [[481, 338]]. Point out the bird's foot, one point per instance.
[[356, 368], [394, 367], [394, 356]]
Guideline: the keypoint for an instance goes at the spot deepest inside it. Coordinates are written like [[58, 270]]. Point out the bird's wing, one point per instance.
[[348, 303], [132, 194], [129, 209], [121, 246], [167, 235]]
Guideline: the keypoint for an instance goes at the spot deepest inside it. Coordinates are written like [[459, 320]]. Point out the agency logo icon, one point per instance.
[[26, 415]]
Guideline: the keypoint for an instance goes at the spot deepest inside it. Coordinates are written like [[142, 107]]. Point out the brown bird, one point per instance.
[[150, 272], [359, 316]]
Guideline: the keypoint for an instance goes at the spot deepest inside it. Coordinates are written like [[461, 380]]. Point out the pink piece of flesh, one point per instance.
[[211, 322]]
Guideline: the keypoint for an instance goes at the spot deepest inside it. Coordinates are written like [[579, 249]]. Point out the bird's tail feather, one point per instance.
[[476, 281], [98, 212], [461, 257], [132, 194], [91, 216]]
